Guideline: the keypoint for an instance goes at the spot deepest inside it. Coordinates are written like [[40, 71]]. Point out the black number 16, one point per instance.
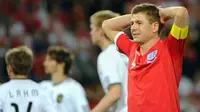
[[17, 108]]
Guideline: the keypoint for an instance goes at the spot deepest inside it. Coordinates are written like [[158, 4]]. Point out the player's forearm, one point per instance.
[[112, 26], [171, 12], [118, 23], [108, 100], [179, 14]]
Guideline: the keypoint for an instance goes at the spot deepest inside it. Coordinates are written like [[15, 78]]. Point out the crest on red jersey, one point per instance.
[[152, 56]]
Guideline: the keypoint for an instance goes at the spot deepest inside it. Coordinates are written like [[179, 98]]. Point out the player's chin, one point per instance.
[[46, 71], [93, 41], [136, 40]]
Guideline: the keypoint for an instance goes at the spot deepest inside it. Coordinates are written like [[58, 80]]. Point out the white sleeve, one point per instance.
[[1, 100], [110, 70], [80, 101], [116, 38], [1, 105]]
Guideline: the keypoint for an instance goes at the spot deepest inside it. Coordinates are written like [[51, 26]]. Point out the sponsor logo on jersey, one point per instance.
[[60, 98]]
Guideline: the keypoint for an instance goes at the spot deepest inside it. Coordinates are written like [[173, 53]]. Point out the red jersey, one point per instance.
[[154, 77]]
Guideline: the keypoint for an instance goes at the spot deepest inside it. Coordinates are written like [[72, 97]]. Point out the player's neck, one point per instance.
[[18, 76], [104, 43], [58, 77], [145, 47]]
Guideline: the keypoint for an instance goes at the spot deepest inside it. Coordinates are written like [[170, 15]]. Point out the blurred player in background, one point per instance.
[[155, 66], [67, 93], [112, 67], [21, 94]]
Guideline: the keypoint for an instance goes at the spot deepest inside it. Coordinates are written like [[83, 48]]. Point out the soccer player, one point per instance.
[[155, 66], [112, 67], [67, 93], [21, 94]]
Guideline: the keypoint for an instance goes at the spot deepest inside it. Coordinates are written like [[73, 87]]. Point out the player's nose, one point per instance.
[[134, 27], [44, 63]]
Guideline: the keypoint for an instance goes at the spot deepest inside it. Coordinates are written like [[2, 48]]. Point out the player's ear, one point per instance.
[[155, 26], [101, 32], [9, 69]]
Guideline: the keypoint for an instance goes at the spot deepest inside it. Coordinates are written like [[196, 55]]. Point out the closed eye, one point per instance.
[[131, 23], [139, 22]]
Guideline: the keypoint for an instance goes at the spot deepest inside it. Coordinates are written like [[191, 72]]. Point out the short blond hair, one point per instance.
[[20, 59], [100, 16]]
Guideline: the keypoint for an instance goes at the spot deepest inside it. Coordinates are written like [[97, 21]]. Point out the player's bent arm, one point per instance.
[[181, 20], [109, 99], [179, 14], [181, 23], [113, 26]]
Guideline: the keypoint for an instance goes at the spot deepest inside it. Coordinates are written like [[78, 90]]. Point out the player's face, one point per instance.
[[50, 65], [141, 29], [95, 33]]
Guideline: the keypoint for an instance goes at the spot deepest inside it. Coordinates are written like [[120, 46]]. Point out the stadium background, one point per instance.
[[43, 23]]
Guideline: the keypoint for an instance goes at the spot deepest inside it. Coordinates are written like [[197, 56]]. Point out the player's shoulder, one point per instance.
[[33, 84], [119, 35], [45, 82], [43, 92], [4, 86], [111, 49], [74, 85], [46, 85], [112, 56], [8, 85], [109, 53], [73, 82]]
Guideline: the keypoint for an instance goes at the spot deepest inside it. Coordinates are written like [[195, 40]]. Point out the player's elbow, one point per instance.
[[182, 13], [116, 92], [184, 10], [182, 17], [105, 25]]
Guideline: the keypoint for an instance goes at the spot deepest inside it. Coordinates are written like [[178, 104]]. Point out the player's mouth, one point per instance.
[[135, 34]]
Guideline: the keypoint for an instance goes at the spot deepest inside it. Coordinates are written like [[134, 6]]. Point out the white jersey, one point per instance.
[[112, 69], [69, 96], [24, 95]]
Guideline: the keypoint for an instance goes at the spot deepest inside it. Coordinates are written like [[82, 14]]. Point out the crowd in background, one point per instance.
[[43, 23]]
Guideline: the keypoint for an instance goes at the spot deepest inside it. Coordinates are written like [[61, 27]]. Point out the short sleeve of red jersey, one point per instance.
[[176, 40], [123, 43]]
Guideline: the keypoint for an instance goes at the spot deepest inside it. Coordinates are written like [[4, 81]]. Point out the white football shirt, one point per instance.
[[112, 69], [24, 95], [69, 96]]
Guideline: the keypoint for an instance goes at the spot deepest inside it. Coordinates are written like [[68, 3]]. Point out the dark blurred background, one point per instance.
[[43, 23]]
